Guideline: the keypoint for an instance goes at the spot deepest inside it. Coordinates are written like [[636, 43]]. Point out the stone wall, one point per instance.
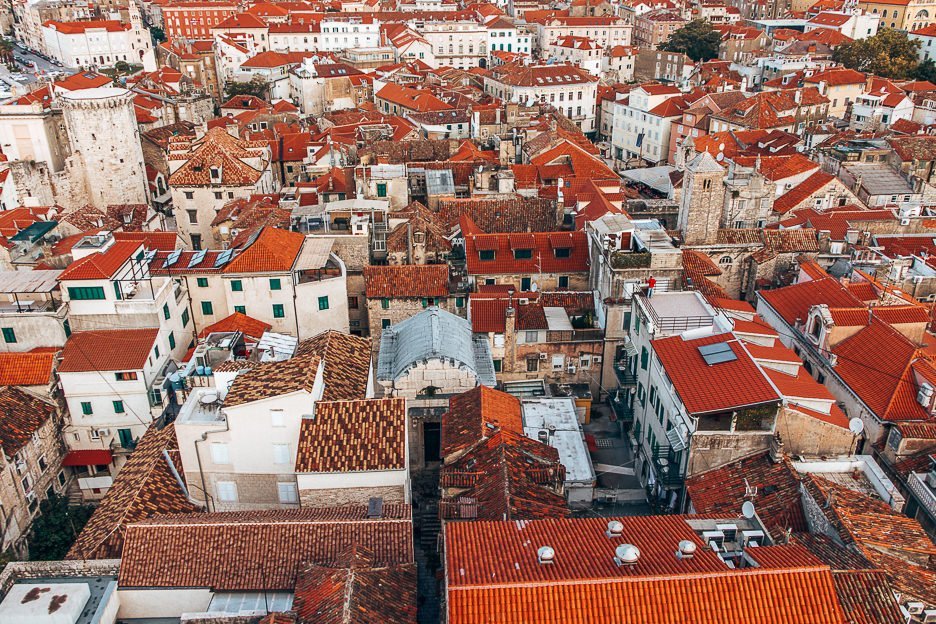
[[807, 436], [254, 491], [713, 450], [17, 570], [336, 497]]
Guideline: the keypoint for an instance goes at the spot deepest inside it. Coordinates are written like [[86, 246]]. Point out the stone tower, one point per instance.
[[107, 157], [702, 201]]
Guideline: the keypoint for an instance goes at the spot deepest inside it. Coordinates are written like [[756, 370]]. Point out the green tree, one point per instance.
[[122, 67], [926, 71], [54, 530], [158, 34], [889, 54], [697, 40], [257, 86]]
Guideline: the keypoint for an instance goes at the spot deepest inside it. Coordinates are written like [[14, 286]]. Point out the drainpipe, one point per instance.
[[201, 472]]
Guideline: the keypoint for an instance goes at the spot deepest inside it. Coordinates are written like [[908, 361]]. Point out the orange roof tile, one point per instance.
[[107, 350], [407, 280], [27, 369], [273, 250], [100, 266], [477, 414], [248, 325]]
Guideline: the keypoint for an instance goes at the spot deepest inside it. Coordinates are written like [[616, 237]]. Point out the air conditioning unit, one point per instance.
[[543, 356], [914, 608], [30, 497], [570, 369], [103, 432], [596, 359], [714, 539], [917, 279], [929, 616], [523, 301]]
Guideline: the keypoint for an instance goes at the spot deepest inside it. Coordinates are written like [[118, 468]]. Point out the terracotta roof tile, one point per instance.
[[219, 150], [544, 248], [21, 415], [408, 280], [257, 550], [107, 350], [272, 250], [145, 486], [515, 214], [248, 325], [101, 266], [696, 381], [27, 369], [477, 414], [793, 302], [349, 436]]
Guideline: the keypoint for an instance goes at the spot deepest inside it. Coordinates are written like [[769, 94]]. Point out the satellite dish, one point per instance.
[[719, 157], [534, 287], [721, 147], [856, 425], [747, 509]]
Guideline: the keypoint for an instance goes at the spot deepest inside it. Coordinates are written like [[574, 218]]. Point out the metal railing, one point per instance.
[[667, 466], [916, 482]]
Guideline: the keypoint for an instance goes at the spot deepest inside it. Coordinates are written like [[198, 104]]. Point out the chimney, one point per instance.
[[776, 449]]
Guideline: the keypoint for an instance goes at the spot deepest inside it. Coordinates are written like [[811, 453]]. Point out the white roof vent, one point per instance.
[[626, 555], [545, 554], [687, 548], [615, 529]]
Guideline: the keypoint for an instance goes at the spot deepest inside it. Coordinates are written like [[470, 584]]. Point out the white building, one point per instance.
[[332, 34], [642, 123], [99, 43], [579, 51], [505, 36], [852, 24], [460, 44], [239, 441], [572, 90]]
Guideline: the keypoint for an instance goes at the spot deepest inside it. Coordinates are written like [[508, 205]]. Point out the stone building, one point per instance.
[[395, 293], [702, 201], [210, 171], [353, 451], [106, 163], [31, 460]]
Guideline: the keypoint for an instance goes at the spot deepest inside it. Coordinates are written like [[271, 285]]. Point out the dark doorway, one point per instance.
[[432, 442]]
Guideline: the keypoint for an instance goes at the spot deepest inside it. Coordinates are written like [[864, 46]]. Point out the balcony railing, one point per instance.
[[624, 376], [923, 492], [575, 335], [667, 466]]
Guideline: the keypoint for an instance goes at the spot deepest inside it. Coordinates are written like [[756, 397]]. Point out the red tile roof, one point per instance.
[[107, 350], [257, 550], [148, 484], [249, 326], [26, 369], [697, 382], [21, 415], [272, 251], [353, 436], [102, 266], [723, 491], [78, 28], [802, 191], [543, 246], [493, 575], [478, 414], [793, 302], [408, 280], [409, 98]]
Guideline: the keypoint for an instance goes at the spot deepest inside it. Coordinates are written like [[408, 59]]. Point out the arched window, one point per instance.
[[725, 261]]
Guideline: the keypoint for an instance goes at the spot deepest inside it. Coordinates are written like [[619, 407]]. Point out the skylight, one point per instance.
[[717, 353]]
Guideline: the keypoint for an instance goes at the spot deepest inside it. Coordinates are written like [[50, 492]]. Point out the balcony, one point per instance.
[[575, 335], [666, 464], [625, 378], [923, 492]]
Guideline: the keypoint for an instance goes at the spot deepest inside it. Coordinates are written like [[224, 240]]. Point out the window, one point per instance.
[[202, 282], [563, 281], [61, 477], [166, 314], [227, 491], [523, 254], [185, 317], [459, 302], [558, 361], [280, 453], [323, 302], [384, 323], [381, 189], [486, 254], [725, 260], [85, 293], [531, 336], [287, 493], [276, 284], [277, 418], [385, 303], [9, 336], [498, 365], [562, 252], [171, 340], [525, 284], [156, 351], [189, 195], [279, 311], [644, 358], [192, 216], [237, 286], [119, 407], [353, 303], [220, 453], [532, 363], [240, 309], [206, 308], [125, 376], [86, 408], [43, 464]]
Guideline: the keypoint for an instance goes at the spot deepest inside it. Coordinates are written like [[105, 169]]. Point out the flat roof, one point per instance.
[[657, 178], [29, 281], [557, 319], [679, 304], [85, 599], [880, 179], [543, 413]]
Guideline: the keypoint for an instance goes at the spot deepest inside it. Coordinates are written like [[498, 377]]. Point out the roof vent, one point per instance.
[[545, 554], [615, 529], [687, 548], [626, 555]]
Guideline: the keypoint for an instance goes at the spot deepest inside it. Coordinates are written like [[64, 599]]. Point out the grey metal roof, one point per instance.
[[29, 281], [434, 333]]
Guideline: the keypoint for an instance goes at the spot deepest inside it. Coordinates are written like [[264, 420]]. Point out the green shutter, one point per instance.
[[384, 323], [279, 311], [185, 317], [166, 314], [237, 286], [171, 340], [85, 293], [385, 303], [644, 358], [117, 291], [241, 309], [202, 282], [459, 302], [118, 407], [206, 308], [86, 408], [275, 284], [323, 302], [9, 336]]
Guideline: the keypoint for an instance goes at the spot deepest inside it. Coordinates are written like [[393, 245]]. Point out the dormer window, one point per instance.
[[523, 254], [215, 174], [563, 252], [486, 254]]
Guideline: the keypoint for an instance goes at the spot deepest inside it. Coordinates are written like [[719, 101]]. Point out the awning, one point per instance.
[[101, 457]]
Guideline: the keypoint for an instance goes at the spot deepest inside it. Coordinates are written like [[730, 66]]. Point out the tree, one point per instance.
[[889, 54], [158, 34], [697, 40], [122, 67], [257, 86], [55, 529], [926, 71]]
